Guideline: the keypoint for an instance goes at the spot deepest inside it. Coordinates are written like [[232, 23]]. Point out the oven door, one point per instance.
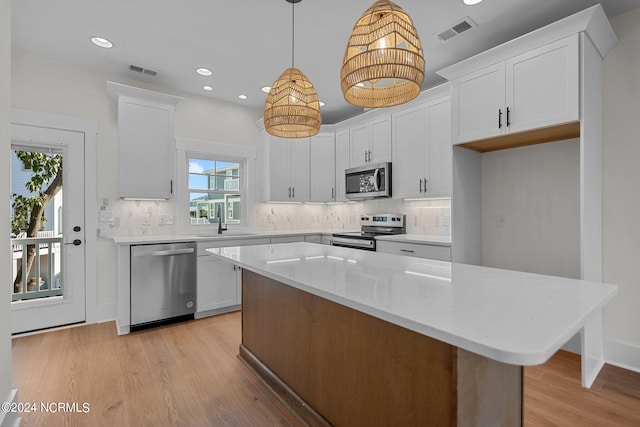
[[366, 244], [367, 182]]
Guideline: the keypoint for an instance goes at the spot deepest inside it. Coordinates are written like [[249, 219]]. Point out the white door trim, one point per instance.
[[90, 129]]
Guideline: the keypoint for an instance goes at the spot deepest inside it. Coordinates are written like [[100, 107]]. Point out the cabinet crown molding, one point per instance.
[[592, 21]]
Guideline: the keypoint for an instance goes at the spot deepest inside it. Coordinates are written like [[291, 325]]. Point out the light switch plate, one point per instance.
[[166, 219]]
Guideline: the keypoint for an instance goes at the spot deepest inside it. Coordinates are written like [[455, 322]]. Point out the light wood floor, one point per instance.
[[188, 375]]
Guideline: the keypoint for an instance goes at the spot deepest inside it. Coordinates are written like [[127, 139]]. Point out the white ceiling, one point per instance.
[[247, 43]]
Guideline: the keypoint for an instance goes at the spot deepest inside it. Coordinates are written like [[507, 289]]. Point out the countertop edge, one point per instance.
[[401, 238], [530, 358]]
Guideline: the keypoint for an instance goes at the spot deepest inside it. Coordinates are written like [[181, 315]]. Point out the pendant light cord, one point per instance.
[[293, 32]]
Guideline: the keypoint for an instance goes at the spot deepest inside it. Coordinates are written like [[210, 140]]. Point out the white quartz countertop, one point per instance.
[[512, 317], [227, 235], [231, 235]]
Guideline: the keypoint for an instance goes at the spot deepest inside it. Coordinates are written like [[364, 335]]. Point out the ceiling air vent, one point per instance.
[[459, 27], [146, 71]]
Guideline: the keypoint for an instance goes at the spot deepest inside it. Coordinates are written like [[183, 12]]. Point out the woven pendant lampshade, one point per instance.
[[383, 63], [292, 108]]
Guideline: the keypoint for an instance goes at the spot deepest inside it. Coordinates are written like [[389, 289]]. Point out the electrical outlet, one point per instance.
[[146, 219], [166, 219], [106, 216]]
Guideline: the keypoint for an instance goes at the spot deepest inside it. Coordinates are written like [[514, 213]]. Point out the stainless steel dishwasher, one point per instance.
[[163, 283]]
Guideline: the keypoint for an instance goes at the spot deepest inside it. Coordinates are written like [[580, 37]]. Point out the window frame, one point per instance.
[[243, 155]]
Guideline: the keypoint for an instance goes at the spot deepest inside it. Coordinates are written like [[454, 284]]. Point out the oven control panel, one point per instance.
[[382, 220]]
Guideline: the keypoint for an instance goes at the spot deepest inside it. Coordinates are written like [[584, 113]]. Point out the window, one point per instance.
[[214, 188]]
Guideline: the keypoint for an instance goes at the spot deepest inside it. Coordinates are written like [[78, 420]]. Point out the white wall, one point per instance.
[[531, 208], [5, 143], [60, 88], [621, 182]]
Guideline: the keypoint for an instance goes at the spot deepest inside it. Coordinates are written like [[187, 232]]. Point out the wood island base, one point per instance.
[[334, 365]]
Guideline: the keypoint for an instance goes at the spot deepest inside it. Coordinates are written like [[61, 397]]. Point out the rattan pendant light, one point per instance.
[[383, 64], [292, 109]]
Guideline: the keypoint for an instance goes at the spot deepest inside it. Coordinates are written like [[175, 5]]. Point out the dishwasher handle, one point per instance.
[[169, 252]]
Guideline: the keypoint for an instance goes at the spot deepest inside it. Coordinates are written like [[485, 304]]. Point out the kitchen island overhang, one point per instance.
[[509, 317]]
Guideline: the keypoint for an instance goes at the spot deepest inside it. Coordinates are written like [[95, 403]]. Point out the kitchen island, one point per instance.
[[351, 337]]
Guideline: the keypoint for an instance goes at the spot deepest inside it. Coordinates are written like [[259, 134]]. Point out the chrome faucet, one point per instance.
[[219, 213]]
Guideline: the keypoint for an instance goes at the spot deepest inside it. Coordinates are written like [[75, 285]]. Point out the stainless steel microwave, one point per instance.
[[368, 182]]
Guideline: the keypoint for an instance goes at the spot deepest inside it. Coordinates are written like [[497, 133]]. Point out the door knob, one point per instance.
[[77, 242], [77, 228]]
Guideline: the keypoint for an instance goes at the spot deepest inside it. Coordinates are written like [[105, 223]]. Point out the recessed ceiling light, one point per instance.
[[102, 42], [265, 89], [242, 96], [204, 71], [322, 104], [209, 88], [472, 2]]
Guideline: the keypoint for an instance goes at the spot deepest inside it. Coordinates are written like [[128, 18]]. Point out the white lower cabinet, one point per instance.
[[313, 238], [287, 239], [419, 250], [219, 285], [220, 282]]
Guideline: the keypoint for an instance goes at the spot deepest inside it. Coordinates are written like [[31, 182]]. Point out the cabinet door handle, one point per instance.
[[499, 118], [508, 117], [365, 156], [332, 191], [289, 192], [293, 192], [171, 187], [409, 251], [421, 185], [425, 185], [369, 155]]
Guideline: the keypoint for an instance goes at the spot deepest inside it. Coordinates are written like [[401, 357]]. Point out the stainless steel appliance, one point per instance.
[[368, 182], [370, 227], [163, 283]]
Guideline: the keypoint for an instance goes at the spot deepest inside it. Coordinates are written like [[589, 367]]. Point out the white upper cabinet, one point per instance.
[[342, 164], [323, 167], [535, 89], [287, 168], [440, 150], [479, 104], [543, 86], [410, 152], [370, 142], [359, 144], [422, 150], [146, 142]]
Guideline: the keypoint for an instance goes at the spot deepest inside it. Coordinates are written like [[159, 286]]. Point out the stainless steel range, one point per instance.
[[370, 226]]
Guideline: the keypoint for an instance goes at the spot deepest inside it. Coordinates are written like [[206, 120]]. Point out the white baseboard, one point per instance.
[[623, 355], [103, 313], [216, 311], [10, 419], [122, 329]]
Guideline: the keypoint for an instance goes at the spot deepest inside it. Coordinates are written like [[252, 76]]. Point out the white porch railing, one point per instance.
[[231, 184], [48, 250]]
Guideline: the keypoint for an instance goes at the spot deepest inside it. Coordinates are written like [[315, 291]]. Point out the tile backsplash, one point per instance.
[[117, 218], [432, 217]]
